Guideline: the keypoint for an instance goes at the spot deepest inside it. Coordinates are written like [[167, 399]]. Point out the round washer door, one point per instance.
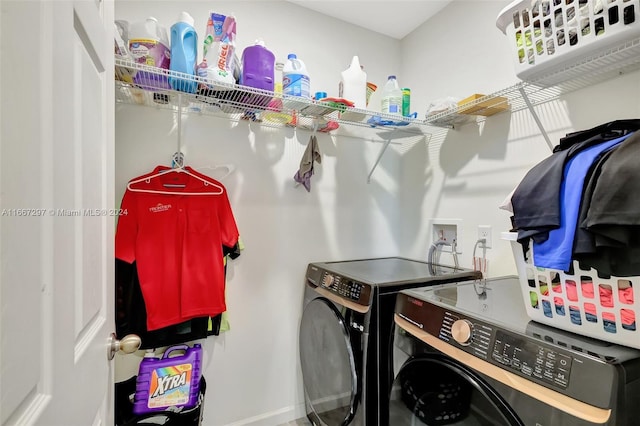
[[328, 365], [435, 390]]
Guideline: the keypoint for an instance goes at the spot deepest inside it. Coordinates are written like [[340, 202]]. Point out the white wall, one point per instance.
[[253, 371], [466, 173]]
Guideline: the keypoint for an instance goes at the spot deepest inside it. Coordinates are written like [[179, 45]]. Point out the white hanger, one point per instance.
[[230, 169], [147, 179]]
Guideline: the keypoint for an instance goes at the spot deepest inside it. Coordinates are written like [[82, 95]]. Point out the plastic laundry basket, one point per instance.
[[549, 36], [581, 302]]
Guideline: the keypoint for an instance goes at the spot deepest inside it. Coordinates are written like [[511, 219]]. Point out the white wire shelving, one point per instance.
[[193, 94], [588, 71], [150, 86]]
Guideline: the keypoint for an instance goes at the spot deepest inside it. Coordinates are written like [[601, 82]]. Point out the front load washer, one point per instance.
[[346, 334], [467, 354]]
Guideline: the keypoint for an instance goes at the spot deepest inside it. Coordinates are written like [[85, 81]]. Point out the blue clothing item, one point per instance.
[[546, 308], [631, 326], [556, 252], [574, 314], [560, 310], [590, 317], [609, 326]]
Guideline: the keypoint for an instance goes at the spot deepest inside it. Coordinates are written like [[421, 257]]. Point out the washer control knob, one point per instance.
[[462, 330], [327, 280]]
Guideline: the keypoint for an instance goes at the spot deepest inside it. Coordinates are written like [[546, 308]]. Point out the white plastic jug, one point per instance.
[[149, 45], [392, 97], [353, 84], [295, 78]]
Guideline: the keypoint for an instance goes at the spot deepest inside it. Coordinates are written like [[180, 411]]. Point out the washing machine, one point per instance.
[[346, 334], [467, 354]]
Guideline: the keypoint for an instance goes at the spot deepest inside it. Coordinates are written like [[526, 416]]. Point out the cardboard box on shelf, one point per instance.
[[490, 106]]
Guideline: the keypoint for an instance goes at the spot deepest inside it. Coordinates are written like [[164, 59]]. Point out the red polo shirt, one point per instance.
[[177, 242]]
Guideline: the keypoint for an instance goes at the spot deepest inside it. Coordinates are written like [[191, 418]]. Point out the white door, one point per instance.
[[56, 189]]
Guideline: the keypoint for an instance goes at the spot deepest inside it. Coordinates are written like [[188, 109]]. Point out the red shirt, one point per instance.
[[177, 242]]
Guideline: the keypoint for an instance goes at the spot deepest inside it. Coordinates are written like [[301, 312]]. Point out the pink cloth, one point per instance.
[[625, 295]]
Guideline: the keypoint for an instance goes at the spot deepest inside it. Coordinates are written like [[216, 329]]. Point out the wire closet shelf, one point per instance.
[[150, 86]]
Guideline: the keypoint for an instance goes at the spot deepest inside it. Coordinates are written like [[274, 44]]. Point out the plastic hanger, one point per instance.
[[230, 169], [147, 179]]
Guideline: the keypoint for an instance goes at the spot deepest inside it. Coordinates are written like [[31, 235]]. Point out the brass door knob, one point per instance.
[[128, 345]]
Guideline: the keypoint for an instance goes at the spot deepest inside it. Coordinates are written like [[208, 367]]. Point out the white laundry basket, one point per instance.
[[580, 302], [549, 36]]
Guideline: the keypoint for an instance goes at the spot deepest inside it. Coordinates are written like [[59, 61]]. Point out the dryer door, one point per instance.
[[328, 364], [436, 390]]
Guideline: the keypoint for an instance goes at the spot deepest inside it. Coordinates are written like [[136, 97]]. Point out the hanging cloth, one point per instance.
[[311, 154]]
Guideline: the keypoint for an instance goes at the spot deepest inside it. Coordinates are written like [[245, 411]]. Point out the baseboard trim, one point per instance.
[[277, 417]]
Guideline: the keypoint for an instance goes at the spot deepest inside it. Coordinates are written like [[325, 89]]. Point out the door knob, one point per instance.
[[128, 345]]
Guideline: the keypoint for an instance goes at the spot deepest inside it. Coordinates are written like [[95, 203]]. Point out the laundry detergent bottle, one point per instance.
[[184, 53], [258, 67], [295, 78], [170, 381], [149, 45]]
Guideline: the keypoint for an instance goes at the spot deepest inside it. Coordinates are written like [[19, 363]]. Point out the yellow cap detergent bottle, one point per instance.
[[168, 381]]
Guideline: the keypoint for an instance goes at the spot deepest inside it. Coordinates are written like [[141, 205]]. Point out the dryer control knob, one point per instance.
[[461, 330], [327, 280]]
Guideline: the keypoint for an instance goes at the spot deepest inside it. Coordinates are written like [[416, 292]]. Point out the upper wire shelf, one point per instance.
[[150, 86], [590, 70], [196, 94]]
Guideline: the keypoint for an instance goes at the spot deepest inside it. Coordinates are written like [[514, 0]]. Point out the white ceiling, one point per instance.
[[394, 18]]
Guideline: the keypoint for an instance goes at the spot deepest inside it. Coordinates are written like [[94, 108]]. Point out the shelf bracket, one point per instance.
[[177, 160], [382, 151], [535, 117]]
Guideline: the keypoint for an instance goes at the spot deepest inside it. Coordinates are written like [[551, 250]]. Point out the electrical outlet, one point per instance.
[[484, 231]]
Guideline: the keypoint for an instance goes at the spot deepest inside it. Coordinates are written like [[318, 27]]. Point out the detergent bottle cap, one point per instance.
[[259, 42], [292, 56], [186, 18], [149, 354]]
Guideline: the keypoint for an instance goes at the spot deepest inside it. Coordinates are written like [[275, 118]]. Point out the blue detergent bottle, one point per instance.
[[184, 53]]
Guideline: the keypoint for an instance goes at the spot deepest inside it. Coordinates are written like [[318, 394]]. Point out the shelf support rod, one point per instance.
[[382, 151], [178, 157], [535, 117]]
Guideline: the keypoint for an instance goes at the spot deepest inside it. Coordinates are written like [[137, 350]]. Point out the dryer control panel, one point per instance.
[[344, 287]]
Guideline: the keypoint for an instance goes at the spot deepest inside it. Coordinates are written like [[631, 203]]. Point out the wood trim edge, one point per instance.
[[550, 397], [341, 300]]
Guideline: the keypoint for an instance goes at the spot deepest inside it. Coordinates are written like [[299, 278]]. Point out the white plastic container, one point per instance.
[[391, 97], [295, 78], [149, 45], [353, 84], [547, 38]]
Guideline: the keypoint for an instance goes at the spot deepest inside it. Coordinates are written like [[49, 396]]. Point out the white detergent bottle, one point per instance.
[[353, 84], [392, 97], [295, 78], [149, 45]]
